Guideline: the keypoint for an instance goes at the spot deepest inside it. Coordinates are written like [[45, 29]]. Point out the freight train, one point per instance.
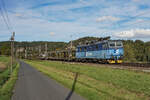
[[107, 51]]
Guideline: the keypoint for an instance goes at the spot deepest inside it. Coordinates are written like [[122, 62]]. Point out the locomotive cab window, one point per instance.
[[96, 47], [119, 44], [80, 49], [85, 49], [105, 46], [112, 44]]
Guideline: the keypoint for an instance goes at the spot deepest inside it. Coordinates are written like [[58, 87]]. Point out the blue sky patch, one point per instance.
[[66, 17]]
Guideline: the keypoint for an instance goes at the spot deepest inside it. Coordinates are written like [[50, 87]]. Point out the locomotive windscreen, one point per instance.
[[112, 44], [119, 44], [115, 44]]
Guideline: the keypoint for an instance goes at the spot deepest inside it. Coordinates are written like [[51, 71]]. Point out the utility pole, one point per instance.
[[26, 52], [46, 50], [39, 50], [16, 51], [12, 51], [19, 52], [70, 53], [71, 41]]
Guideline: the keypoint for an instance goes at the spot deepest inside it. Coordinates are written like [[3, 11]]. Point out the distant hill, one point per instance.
[[51, 46]]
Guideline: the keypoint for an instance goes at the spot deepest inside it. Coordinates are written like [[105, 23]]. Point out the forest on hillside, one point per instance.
[[134, 51]]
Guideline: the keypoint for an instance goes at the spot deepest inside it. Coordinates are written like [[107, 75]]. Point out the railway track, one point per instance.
[[145, 65], [138, 65]]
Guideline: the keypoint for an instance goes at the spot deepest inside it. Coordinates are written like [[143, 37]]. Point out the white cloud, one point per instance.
[[137, 33], [52, 33], [107, 18]]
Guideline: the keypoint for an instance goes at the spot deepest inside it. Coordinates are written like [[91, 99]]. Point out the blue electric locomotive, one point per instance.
[[110, 51]]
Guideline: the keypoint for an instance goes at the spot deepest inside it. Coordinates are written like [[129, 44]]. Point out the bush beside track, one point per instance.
[[98, 83]]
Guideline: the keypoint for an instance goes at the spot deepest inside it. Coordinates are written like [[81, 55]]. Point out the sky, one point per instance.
[[65, 20]]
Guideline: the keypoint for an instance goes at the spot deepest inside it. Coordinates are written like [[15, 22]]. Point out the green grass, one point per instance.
[[4, 76], [4, 59], [7, 81], [6, 89], [4, 73], [98, 83]]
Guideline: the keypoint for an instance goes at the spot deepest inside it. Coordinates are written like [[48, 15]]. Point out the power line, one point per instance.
[[5, 19], [5, 10]]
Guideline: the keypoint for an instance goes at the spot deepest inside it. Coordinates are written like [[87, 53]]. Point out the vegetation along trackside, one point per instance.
[[98, 83], [7, 80]]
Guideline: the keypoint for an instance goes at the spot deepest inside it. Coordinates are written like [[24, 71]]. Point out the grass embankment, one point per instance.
[[4, 70], [4, 63], [98, 83], [7, 81]]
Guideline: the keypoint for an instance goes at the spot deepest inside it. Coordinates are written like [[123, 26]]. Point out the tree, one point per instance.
[[5, 49], [129, 55]]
